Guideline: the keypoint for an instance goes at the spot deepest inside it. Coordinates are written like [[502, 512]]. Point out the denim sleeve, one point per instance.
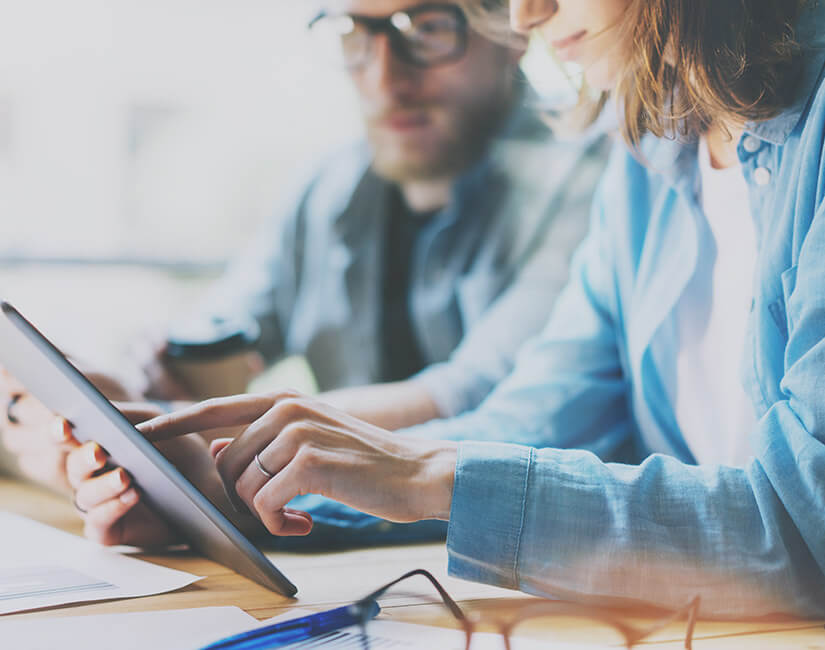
[[566, 524], [568, 387], [488, 352], [337, 525]]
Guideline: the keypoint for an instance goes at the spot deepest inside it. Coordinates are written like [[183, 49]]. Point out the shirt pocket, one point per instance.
[[779, 307]]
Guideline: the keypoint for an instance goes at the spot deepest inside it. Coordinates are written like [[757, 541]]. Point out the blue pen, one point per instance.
[[280, 634]]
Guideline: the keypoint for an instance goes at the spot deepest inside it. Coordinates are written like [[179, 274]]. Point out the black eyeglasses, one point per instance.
[[423, 35], [530, 627]]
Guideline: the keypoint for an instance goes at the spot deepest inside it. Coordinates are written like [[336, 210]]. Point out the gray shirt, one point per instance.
[[484, 270]]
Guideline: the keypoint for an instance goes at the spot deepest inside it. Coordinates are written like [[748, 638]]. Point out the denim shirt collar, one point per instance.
[[811, 36], [677, 162]]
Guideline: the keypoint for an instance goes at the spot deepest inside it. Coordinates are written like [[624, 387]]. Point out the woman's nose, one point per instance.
[[528, 14]]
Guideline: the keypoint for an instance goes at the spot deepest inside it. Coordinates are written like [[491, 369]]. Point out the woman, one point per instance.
[[706, 255]]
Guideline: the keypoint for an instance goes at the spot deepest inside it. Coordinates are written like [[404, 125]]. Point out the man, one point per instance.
[[411, 265]]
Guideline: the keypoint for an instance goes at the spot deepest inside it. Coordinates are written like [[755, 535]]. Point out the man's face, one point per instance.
[[429, 122]]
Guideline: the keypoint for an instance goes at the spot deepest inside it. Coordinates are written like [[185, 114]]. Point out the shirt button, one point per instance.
[[751, 144], [762, 176]]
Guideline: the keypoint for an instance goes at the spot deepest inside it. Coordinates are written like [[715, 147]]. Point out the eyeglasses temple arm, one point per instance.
[[448, 601], [321, 15], [692, 609]]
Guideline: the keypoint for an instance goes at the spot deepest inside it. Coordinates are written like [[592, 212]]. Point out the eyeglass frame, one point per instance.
[[631, 634], [398, 43]]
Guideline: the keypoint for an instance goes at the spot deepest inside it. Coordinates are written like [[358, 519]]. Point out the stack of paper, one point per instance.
[[43, 567]]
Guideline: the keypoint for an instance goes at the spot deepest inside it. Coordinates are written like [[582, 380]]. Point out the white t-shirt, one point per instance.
[[712, 409]]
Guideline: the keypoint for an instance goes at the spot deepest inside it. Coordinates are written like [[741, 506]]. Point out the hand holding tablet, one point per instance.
[[48, 375]]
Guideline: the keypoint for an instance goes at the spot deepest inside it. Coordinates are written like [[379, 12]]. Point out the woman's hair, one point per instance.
[[695, 62]]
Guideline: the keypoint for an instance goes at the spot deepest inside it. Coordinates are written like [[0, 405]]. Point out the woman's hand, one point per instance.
[[29, 437], [111, 505], [38, 446], [306, 447]]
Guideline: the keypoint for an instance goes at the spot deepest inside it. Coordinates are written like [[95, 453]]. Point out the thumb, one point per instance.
[[218, 445], [61, 430]]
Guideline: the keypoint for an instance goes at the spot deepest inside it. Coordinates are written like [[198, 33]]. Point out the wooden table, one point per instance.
[[327, 579]]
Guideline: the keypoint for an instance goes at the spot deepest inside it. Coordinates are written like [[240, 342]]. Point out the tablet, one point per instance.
[[53, 380]]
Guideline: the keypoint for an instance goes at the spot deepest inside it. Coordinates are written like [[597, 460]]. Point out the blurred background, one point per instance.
[[141, 142]]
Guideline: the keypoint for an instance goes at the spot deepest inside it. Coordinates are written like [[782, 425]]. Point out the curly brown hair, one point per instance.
[[695, 62]]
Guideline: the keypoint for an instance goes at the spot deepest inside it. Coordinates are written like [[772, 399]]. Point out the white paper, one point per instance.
[[43, 567], [165, 630], [391, 635]]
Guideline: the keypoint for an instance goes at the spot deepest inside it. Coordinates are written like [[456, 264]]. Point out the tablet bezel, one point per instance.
[[45, 371]]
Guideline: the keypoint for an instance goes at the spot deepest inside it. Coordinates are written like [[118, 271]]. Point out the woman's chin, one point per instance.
[[601, 75]]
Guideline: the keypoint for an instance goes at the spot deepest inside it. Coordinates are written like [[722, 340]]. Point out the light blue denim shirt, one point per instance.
[[530, 513], [485, 272]]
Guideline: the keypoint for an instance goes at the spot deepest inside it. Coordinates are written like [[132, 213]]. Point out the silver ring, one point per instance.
[[262, 469], [77, 507]]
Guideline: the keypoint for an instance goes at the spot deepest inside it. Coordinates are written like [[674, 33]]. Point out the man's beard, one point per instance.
[[463, 142]]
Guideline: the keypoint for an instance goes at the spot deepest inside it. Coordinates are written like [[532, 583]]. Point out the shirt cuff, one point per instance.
[[487, 512]]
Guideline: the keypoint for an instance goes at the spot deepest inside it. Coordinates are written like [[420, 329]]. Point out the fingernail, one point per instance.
[[118, 479], [129, 497], [61, 430], [95, 455]]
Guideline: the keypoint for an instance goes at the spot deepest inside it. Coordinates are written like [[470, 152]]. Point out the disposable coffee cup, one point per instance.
[[214, 357]]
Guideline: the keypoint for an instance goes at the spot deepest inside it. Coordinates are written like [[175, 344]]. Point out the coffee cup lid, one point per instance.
[[212, 337]]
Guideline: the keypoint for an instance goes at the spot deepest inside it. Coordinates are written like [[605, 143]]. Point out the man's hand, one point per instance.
[[149, 354], [181, 380], [304, 446]]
